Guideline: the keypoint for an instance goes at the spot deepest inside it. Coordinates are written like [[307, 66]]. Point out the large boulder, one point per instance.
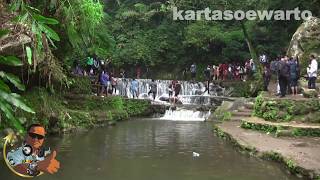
[[306, 40]]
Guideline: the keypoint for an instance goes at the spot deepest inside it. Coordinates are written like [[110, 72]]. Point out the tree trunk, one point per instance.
[[252, 50]]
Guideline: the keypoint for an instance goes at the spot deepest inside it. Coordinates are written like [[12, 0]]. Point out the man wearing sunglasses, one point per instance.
[[32, 158]]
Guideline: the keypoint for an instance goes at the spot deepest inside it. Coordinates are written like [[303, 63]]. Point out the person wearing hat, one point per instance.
[[32, 158]]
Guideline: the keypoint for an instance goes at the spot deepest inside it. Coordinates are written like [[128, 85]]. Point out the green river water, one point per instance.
[[151, 149]]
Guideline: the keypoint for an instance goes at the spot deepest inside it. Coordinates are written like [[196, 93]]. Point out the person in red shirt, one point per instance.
[[138, 72]]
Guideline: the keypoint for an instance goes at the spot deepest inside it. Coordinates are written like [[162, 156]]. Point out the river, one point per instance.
[[154, 149]]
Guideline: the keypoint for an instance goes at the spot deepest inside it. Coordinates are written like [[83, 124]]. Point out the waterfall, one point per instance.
[[185, 115], [190, 92]]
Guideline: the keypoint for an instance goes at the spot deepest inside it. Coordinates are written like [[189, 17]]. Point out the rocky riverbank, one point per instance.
[[299, 155], [299, 152]]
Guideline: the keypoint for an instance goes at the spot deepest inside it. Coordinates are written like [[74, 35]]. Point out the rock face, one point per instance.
[[306, 39]]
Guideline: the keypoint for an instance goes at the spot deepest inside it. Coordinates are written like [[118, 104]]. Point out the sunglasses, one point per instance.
[[34, 136]]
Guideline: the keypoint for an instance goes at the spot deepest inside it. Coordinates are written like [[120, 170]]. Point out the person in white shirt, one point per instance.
[[312, 71]]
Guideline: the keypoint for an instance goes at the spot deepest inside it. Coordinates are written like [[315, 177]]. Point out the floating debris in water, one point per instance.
[[194, 154]]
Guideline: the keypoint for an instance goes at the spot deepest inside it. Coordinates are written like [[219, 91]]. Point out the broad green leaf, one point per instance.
[[12, 79], [51, 42], [32, 9], [20, 18], [29, 54], [15, 100], [34, 27], [10, 60], [4, 86], [3, 32], [49, 32], [45, 20], [24, 17], [14, 6], [73, 35], [8, 112]]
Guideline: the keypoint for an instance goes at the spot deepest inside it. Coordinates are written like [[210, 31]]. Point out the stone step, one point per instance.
[[281, 129], [236, 118], [245, 110], [242, 114]]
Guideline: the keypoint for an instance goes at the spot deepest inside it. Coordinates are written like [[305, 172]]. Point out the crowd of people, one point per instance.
[[287, 71], [100, 74], [224, 71]]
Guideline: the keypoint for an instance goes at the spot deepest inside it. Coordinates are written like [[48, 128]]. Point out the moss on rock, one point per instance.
[[286, 110], [279, 129]]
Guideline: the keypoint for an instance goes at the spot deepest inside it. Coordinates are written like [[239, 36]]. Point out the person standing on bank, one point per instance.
[[171, 89], [134, 88], [153, 89], [266, 77], [312, 71], [207, 75], [193, 70], [294, 75], [177, 89], [104, 80], [284, 72]]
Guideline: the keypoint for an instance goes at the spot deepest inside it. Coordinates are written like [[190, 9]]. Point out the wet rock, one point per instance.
[[163, 98], [225, 107], [203, 108]]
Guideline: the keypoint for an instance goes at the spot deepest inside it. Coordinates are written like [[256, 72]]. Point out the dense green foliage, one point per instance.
[[287, 110], [62, 112], [259, 127], [80, 85], [136, 33], [136, 108], [143, 33], [9, 101], [279, 130], [146, 35]]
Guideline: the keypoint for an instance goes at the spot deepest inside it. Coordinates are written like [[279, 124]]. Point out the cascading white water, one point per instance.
[[189, 90], [185, 115], [191, 93]]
